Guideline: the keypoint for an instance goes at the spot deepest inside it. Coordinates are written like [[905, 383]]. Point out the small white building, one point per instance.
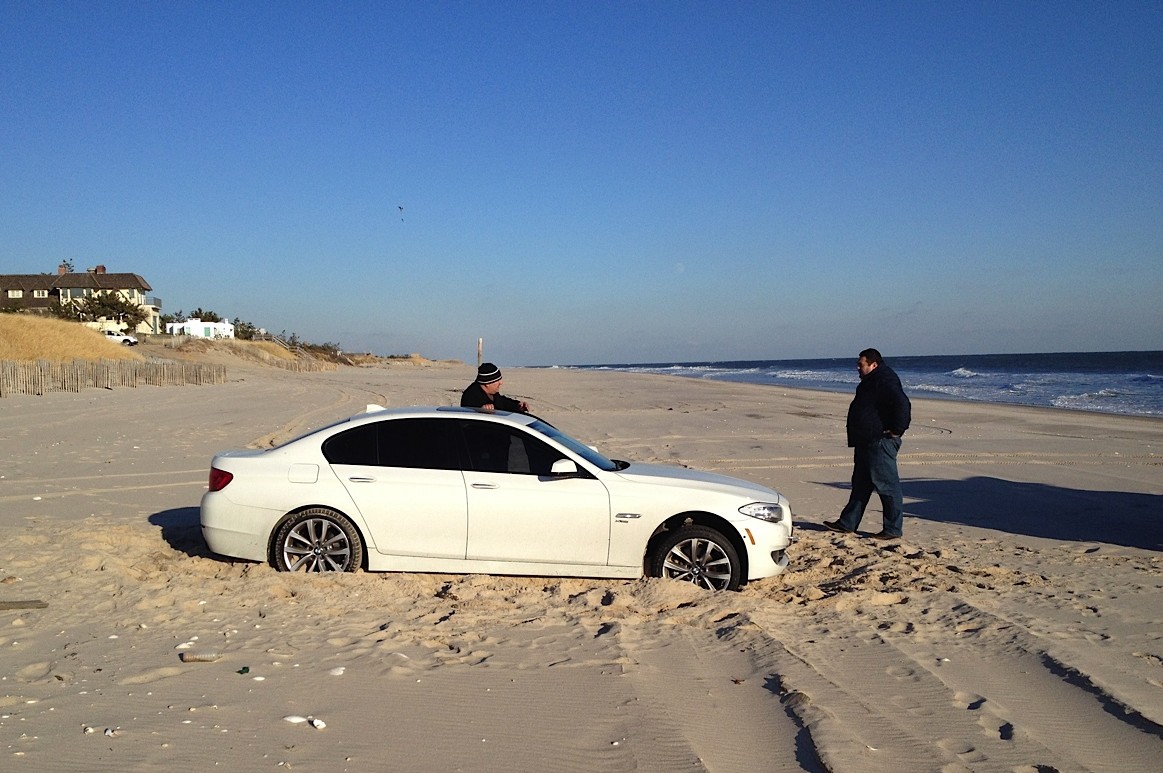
[[200, 329]]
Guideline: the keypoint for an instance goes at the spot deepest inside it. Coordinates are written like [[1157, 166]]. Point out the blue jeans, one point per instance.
[[874, 469]]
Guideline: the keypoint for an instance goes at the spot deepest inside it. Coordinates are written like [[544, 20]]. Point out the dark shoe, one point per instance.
[[836, 526], [885, 536]]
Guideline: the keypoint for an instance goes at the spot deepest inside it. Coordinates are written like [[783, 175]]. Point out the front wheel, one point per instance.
[[700, 555], [318, 540]]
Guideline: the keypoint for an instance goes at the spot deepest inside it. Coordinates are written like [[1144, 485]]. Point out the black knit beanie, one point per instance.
[[487, 373]]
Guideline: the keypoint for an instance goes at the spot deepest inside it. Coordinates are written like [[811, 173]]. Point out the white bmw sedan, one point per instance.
[[459, 490]]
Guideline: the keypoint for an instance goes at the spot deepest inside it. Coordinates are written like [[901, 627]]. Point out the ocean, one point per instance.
[[1128, 383]]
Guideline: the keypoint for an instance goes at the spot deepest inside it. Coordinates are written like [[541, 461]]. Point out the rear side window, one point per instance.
[[425, 443], [356, 446], [416, 443]]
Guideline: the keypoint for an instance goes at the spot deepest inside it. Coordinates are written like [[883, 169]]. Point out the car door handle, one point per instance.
[[484, 485], [362, 480]]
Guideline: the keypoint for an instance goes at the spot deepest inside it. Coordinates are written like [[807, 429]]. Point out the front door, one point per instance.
[[517, 511]]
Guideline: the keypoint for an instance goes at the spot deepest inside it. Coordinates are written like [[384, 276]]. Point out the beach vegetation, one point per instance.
[[255, 351], [198, 313], [245, 330], [205, 315], [26, 337], [30, 337]]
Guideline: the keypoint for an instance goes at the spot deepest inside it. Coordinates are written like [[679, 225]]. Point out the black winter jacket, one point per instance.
[[475, 397], [880, 407]]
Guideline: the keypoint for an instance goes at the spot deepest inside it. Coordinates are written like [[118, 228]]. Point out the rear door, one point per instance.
[[404, 475]]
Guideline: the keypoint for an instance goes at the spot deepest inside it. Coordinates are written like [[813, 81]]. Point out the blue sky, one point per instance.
[[592, 182]]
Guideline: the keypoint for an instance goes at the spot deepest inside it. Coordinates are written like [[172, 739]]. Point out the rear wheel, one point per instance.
[[318, 540], [700, 555]]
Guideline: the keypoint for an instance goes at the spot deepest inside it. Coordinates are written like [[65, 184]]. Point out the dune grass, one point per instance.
[[255, 351], [26, 337], [269, 348], [29, 337]]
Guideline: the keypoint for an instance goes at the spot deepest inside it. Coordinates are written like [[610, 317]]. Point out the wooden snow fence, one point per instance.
[[41, 376]]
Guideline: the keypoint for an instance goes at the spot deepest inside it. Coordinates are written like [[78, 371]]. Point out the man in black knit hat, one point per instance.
[[485, 392]]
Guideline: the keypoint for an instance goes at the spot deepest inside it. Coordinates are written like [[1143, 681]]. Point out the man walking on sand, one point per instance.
[[877, 418]]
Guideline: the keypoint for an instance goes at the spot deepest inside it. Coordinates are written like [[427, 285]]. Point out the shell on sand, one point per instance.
[[199, 657]]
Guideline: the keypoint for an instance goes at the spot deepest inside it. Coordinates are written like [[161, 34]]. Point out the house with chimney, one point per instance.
[[37, 292]]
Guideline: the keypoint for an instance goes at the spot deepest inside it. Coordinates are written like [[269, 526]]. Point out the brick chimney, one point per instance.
[[100, 269], [62, 269]]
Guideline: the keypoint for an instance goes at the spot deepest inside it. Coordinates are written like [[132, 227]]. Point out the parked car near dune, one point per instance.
[[121, 338], [457, 490]]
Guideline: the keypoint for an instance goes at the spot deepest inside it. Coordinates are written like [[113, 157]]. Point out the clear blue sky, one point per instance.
[[587, 182]]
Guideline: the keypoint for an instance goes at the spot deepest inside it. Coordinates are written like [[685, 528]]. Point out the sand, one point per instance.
[[1018, 626]]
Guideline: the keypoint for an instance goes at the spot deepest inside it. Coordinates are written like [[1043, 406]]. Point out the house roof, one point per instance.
[[74, 281], [27, 282], [92, 281]]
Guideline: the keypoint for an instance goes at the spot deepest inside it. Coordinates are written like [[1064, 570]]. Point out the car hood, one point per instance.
[[661, 474]]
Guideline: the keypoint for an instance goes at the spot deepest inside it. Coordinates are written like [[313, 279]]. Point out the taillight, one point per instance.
[[219, 478]]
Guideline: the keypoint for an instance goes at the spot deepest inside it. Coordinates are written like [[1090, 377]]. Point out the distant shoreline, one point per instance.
[[1114, 383]]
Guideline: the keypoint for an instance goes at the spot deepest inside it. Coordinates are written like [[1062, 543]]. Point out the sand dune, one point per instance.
[[1017, 627]]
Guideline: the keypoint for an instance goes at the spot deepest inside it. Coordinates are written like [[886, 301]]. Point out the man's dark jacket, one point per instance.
[[879, 408], [474, 397]]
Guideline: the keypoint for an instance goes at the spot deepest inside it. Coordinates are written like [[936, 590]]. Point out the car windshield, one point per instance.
[[579, 448]]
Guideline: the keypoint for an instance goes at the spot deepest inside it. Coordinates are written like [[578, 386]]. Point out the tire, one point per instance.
[[318, 540], [700, 555]]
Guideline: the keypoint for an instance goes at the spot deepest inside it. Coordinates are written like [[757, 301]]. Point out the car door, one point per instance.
[[517, 511], [404, 475]]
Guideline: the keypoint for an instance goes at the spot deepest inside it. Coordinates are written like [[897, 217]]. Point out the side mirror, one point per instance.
[[563, 468]]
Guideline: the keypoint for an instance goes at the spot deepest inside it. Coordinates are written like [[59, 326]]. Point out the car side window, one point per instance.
[[497, 448], [355, 446], [415, 443], [419, 443]]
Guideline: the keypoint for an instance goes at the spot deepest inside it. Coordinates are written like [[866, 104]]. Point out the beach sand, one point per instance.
[[1018, 626]]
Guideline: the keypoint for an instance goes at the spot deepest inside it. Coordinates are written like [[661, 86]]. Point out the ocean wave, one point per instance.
[[949, 390], [1107, 401], [812, 375], [1040, 385], [1087, 397], [1020, 380]]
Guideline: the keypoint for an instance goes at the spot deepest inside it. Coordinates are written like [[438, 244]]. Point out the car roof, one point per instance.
[[376, 412]]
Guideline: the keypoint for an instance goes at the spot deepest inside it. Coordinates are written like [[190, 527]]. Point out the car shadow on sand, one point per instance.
[[182, 530], [1035, 509]]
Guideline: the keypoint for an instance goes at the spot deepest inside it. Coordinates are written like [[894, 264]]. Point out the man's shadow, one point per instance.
[[1035, 509]]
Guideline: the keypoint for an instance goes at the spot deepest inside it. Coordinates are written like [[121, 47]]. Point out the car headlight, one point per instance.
[[764, 511]]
